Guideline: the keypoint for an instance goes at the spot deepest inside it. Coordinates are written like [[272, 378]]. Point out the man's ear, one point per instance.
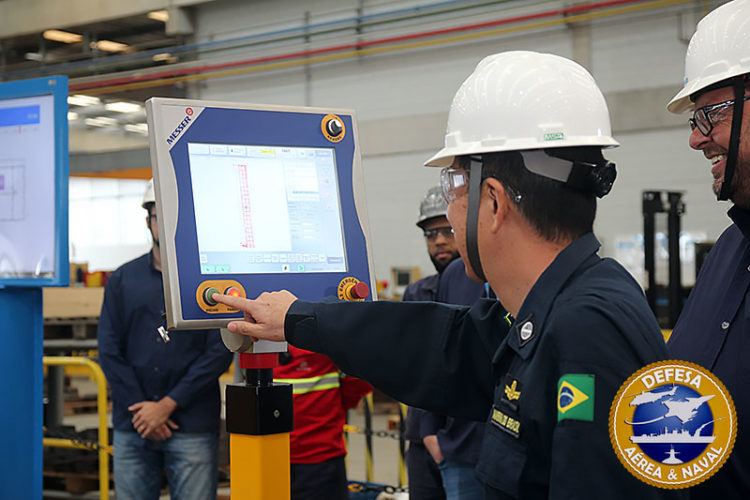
[[498, 201]]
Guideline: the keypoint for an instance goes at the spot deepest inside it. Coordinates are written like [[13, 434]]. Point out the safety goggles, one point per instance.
[[445, 231], [706, 117], [455, 182]]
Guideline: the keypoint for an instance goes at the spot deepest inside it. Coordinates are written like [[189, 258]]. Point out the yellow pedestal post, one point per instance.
[[259, 416], [259, 466]]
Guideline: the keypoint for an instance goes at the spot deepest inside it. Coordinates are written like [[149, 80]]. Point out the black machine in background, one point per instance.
[[655, 202]]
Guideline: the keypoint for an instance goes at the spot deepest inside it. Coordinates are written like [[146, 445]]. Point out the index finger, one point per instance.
[[240, 303]]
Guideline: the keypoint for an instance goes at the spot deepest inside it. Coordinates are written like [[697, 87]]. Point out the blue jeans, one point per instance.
[[460, 482], [190, 461]]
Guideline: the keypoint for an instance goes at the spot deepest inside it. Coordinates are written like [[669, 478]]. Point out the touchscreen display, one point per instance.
[[27, 187], [279, 210]]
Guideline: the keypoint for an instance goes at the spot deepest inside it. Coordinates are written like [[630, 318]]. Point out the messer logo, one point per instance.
[[181, 126]]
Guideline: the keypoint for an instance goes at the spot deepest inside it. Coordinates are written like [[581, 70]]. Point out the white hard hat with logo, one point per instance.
[[148, 194], [523, 100], [718, 51]]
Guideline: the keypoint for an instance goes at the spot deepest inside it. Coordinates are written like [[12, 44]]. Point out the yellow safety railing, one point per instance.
[[369, 406], [101, 409], [369, 433], [402, 409]]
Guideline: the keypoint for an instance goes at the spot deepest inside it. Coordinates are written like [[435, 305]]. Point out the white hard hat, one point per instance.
[[719, 50], [148, 194], [524, 100]]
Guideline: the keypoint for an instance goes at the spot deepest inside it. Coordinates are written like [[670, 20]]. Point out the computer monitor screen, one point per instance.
[[27, 187], [286, 215]]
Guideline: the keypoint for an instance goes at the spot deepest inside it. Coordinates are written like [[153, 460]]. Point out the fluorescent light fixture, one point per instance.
[[159, 15], [109, 46], [138, 128], [100, 121], [83, 100], [122, 107], [62, 36], [162, 56], [33, 56], [72, 116]]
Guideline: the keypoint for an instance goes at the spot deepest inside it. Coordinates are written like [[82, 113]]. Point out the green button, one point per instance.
[[208, 296]]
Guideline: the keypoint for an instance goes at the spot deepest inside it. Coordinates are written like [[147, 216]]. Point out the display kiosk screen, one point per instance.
[[33, 182]]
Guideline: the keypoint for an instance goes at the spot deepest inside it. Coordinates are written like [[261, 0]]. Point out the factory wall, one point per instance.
[[402, 100]]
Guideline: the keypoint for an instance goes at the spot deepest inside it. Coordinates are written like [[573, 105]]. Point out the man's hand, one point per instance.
[[151, 419], [264, 316], [161, 433], [431, 443]]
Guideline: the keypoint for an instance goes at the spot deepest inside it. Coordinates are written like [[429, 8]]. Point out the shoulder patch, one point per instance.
[[575, 397]]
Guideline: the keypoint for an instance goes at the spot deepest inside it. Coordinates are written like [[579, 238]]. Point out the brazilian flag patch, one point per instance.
[[575, 397]]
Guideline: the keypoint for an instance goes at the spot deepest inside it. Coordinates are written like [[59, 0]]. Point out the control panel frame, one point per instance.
[[173, 124]]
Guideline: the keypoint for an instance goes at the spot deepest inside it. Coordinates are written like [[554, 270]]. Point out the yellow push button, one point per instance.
[[204, 295]]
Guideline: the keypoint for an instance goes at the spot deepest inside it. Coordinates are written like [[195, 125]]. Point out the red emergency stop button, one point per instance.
[[350, 288], [360, 290], [232, 291]]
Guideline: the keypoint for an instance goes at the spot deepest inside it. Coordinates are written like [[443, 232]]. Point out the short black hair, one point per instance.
[[556, 211], [148, 206]]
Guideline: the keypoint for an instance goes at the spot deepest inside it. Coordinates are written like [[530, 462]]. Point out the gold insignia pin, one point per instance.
[[511, 391]]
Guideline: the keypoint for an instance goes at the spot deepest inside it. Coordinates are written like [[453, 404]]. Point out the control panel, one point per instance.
[[206, 289], [255, 198]]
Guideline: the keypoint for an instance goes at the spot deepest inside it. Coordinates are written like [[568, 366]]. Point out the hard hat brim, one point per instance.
[[444, 157], [681, 102]]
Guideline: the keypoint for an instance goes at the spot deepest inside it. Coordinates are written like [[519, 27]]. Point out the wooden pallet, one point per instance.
[[75, 482], [81, 406]]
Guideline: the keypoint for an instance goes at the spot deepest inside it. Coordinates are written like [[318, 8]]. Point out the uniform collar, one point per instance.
[[530, 321], [741, 218]]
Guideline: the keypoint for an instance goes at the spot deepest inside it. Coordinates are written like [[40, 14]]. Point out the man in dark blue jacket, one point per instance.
[[713, 328], [165, 395], [442, 450], [523, 166]]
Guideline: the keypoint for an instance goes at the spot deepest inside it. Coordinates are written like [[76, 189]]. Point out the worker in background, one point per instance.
[[522, 168], [434, 440], [714, 326], [322, 396], [165, 395]]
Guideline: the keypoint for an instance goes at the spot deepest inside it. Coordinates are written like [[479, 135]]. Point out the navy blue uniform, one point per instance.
[[588, 316], [138, 364], [714, 332]]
